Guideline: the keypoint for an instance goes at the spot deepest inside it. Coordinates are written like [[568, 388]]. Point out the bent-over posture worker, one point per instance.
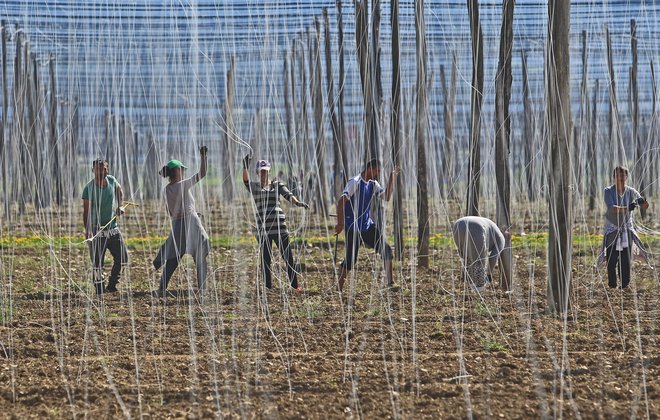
[[479, 242]]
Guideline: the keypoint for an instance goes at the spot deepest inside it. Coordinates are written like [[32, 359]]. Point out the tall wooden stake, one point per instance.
[[421, 135], [502, 138], [474, 171], [559, 178]]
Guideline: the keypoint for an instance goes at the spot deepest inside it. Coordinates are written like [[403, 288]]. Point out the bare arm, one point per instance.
[[119, 194], [204, 155], [246, 165], [390, 183], [340, 214], [86, 217]]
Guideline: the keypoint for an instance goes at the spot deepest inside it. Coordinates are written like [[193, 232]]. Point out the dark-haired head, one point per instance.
[[373, 163], [372, 170], [620, 175], [620, 170], [100, 169], [99, 162]]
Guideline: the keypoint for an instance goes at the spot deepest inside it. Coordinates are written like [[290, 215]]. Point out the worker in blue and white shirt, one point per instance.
[[353, 217]]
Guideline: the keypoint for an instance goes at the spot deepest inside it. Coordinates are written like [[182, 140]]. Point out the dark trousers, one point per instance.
[[372, 238], [281, 239], [622, 259], [172, 264], [114, 244]]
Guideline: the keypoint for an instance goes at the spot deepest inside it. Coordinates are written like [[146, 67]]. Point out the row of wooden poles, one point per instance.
[[40, 146], [561, 138]]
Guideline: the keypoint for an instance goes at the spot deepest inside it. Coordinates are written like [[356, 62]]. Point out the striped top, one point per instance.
[[269, 215]]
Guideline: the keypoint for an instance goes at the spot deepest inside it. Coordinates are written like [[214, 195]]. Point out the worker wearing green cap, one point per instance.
[[187, 235]]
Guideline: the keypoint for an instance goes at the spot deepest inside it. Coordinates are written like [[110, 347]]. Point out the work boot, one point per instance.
[[111, 287]]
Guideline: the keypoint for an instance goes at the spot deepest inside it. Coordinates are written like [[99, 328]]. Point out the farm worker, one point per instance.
[[187, 235], [479, 242], [353, 216], [102, 207], [270, 219], [620, 241]]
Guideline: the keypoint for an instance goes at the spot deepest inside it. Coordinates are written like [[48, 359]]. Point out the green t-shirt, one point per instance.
[[101, 203]]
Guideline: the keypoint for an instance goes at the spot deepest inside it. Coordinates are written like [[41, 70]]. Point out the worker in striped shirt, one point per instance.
[[270, 219]]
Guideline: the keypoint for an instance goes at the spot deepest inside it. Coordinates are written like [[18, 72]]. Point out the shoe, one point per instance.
[[394, 287], [111, 288], [162, 293], [297, 290]]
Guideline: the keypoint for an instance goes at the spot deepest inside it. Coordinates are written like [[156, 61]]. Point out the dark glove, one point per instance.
[[203, 150], [632, 206], [246, 161], [641, 200], [303, 205]]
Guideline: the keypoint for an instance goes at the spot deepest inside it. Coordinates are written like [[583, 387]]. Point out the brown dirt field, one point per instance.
[[430, 350]]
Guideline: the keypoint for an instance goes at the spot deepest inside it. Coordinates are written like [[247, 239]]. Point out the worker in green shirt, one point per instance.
[[102, 207]]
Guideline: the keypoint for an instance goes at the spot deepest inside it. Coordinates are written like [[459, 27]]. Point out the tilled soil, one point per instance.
[[431, 349]]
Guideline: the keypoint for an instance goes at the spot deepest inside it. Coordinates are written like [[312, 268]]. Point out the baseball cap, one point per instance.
[[263, 165], [175, 164]]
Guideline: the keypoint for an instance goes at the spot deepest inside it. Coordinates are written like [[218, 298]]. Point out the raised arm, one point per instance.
[[203, 151], [246, 166], [390, 183]]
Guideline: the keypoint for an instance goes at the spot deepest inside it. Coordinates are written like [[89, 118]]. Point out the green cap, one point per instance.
[[172, 164]]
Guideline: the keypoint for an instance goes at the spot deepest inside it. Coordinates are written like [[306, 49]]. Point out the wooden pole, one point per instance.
[[593, 149], [230, 133], [639, 169], [53, 133], [290, 134], [476, 100], [529, 139], [395, 129], [342, 83], [317, 98], [377, 86], [559, 179], [585, 123], [29, 150], [73, 148], [304, 118], [449, 103], [617, 153], [366, 76], [4, 162], [421, 134], [653, 143], [337, 183], [503, 138], [294, 114]]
